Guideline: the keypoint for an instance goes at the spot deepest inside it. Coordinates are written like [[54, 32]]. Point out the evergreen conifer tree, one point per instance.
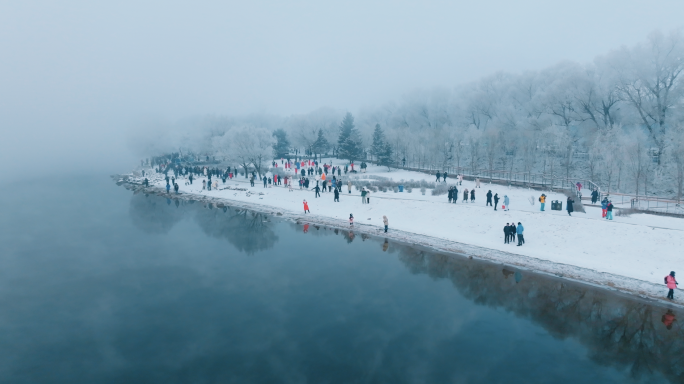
[[385, 156], [378, 146], [321, 145], [349, 141], [282, 145]]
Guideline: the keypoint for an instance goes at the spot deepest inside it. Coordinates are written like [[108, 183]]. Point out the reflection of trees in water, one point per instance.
[[248, 231], [617, 330], [152, 214]]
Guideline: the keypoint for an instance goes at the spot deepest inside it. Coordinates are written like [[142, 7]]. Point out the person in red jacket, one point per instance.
[[306, 207], [671, 284]]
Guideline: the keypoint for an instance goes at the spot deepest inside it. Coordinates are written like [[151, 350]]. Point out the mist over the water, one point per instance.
[[79, 79]]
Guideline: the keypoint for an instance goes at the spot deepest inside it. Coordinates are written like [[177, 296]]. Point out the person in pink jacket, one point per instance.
[[671, 284]]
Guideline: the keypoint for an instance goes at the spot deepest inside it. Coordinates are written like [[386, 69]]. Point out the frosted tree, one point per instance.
[[636, 159], [474, 137], [253, 147], [595, 157], [650, 80], [491, 143], [676, 154]]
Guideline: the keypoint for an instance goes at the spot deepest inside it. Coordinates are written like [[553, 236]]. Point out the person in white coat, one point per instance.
[[506, 202]]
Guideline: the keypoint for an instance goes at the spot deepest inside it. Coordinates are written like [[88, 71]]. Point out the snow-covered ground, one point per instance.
[[641, 247]]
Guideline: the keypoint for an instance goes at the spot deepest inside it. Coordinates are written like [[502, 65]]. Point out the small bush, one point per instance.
[[627, 212], [440, 189]]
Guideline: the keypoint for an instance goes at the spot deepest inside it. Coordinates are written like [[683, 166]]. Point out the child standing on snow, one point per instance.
[[465, 195], [604, 208], [671, 284], [609, 211], [351, 220], [306, 207]]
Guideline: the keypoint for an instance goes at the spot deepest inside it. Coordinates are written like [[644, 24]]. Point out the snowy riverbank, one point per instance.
[[631, 254]]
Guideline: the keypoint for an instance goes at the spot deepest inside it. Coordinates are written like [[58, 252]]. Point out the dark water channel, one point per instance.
[[98, 285]]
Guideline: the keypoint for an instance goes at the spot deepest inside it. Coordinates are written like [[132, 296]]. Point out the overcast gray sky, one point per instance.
[[77, 76]]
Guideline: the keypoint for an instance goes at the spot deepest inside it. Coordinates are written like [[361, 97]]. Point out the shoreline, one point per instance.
[[612, 282]]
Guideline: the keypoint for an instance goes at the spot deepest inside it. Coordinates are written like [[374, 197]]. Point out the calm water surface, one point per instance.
[[98, 285]]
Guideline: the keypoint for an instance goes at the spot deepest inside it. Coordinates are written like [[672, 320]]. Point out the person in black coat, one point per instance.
[[496, 200], [512, 232], [439, 175], [451, 193], [455, 194], [569, 206], [318, 190], [594, 196], [507, 233], [489, 198], [337, 196]]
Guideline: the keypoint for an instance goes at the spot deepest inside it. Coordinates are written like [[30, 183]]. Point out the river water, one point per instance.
[[98, 285]]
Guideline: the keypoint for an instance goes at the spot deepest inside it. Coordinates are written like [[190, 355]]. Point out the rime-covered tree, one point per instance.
[[282, 145], [349, 141]]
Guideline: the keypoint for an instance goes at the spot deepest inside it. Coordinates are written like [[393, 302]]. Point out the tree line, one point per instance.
[[618, 121]]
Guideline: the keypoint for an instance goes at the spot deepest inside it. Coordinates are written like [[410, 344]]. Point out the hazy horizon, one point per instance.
[[78, 78]]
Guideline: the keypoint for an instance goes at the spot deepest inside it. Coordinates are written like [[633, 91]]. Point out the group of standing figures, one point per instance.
[[511, 231]]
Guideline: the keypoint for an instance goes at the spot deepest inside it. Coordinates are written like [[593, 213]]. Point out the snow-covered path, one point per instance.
[[641, 247]]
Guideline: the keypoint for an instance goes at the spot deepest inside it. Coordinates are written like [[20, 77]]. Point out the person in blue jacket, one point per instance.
[[519, 230]]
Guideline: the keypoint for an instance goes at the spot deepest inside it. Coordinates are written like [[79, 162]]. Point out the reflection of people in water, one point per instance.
[[306, 228], [518, 276], [506, 273], [385, 245], [668, 319], [350, 237]]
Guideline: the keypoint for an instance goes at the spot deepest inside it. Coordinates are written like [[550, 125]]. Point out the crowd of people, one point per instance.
[[328, 178]]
